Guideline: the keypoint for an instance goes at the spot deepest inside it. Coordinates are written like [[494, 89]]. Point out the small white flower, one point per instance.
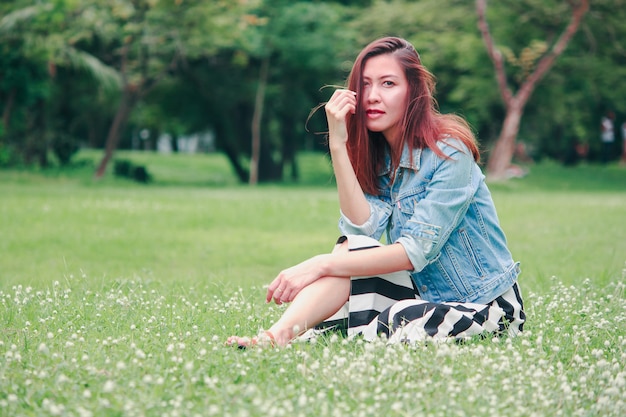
[[83, 412], [109, 386]]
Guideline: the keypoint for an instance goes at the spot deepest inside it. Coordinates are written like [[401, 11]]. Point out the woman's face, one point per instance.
[[385, 91]]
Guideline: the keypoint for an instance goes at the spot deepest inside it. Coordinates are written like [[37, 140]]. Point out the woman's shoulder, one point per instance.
[[450, 146]]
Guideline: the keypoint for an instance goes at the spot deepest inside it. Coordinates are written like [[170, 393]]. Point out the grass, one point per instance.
[[115, 299]]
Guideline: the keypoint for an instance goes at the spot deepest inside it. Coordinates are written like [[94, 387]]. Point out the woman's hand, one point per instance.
[[342, 103], [291, 281]]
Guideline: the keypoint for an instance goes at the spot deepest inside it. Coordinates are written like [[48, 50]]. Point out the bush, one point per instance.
[[127, 169], [8, 156], [64, 147]]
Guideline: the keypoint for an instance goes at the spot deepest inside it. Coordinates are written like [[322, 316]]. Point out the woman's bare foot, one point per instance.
[[264, 339], [267, 338]]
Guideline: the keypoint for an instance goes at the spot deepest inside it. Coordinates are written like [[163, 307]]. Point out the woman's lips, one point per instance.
[[374, 113]]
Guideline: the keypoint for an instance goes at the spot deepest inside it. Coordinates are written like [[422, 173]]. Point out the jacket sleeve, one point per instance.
[[374, 226]]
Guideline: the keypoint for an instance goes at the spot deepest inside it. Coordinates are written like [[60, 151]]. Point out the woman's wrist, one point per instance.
[[337, 148], [325, 264]]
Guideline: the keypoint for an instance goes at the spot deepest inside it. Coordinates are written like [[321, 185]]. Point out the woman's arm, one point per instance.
[[344, 264], [351, 197]]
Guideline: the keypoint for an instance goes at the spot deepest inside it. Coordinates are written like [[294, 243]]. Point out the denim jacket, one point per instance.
[[442, 213]]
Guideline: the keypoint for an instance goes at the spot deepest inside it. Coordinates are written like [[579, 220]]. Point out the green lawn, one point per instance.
[[116, 297]]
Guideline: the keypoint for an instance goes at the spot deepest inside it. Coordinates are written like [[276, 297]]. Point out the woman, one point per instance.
[[407, 172]]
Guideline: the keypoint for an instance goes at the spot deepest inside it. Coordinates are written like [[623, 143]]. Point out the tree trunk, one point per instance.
[[8, 109], [256, 122], [233, 157], [289, 146], [502, 153], [115, 131]]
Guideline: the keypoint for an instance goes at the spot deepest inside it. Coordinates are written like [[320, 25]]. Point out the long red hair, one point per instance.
[[422, 125]]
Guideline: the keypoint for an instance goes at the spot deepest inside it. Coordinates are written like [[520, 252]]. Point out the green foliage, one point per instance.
[[36, 45], [7, 156], [566, 108], [194, 65]]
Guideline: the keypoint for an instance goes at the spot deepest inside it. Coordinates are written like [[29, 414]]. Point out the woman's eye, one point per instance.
[[387, 83]]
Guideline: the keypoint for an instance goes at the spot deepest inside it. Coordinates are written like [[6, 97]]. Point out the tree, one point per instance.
[[308, 52], [145, 40], [270, 74], [36, 42], [502, 153], [148, 42]]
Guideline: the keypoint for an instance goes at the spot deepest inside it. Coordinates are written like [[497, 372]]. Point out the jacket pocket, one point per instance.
[[471, 253]]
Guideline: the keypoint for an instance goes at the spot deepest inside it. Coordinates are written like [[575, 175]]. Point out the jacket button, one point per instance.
[[424, 288]]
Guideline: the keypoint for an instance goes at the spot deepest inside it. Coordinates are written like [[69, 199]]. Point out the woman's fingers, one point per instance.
[[281, 291], [286, 286], [338, 107], [278, 296], [272, 291], [341, 103], [282, 296], [278, 290]]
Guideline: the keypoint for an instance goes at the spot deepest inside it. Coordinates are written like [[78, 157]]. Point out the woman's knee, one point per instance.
[[340, 286]]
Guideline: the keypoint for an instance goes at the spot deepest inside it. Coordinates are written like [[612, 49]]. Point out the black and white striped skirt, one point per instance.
[[389, 305]]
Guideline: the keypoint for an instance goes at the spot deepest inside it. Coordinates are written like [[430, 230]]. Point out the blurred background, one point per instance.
[[241, 77]]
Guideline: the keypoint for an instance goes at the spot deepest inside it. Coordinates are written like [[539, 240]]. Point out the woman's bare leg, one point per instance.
[[313, 304]]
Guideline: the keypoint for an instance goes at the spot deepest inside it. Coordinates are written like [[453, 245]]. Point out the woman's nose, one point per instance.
[[373, 95]]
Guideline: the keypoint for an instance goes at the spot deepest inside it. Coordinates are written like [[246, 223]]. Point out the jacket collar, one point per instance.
[[405, 160]]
